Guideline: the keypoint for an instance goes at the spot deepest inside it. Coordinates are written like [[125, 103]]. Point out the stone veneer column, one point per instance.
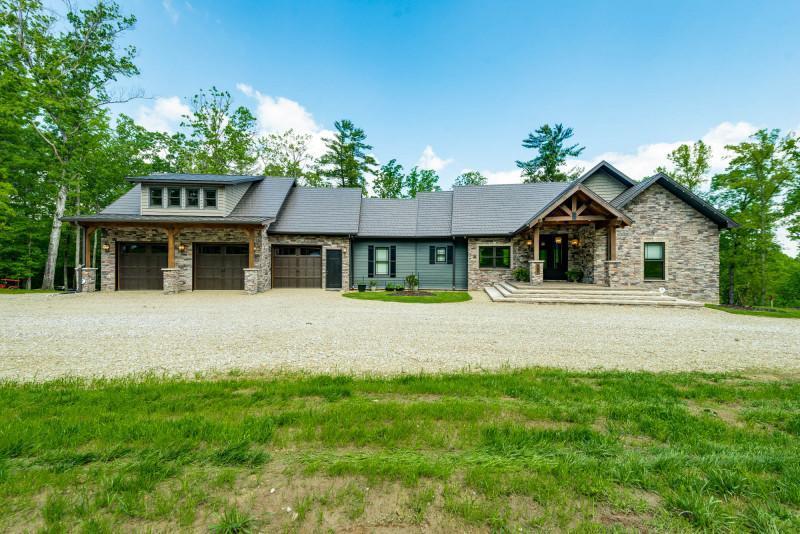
[[251, 280], [612, 273], [171, 280], [537, 271], [87, 277]]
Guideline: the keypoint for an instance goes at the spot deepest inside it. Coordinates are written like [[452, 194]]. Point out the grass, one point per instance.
[[780, 313], [534, 449], [388, 296]]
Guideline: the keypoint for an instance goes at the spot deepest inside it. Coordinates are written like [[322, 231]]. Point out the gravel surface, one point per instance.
[[111, 334]]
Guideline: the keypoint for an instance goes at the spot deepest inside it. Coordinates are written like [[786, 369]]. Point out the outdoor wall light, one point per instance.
[[182, 248], [557, 240], [574, 242], [106, 247], [529, 242]]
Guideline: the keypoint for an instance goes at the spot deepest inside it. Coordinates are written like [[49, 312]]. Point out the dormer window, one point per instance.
[[192, 197], [174, 197], [156, 197], [210, 198]]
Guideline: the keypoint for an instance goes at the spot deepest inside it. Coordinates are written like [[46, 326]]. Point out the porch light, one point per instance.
[[529, 242], [557, 240], [106, 247], [574, 242], [182, 248]]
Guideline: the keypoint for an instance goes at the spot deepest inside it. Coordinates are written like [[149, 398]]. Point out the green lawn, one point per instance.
[[780, 313], [534, 450], [389, 296]]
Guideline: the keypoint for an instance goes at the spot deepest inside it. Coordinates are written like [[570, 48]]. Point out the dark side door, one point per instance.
[[553, 250], [333, 269]]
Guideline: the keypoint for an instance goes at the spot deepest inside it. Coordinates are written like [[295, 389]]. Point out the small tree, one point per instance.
[[689, 165], [470, 178]]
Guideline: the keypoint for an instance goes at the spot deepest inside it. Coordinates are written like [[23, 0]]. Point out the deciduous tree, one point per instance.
[[470, 178], [421, 180], [690, 165], [389, 180]]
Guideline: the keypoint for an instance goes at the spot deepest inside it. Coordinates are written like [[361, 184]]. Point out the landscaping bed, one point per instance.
[[527, 450], [418, 297]]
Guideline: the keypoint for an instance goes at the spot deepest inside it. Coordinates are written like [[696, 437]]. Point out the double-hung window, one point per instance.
[[494, 257], [156, 197], [654, 268], [210, 198], [192, 197], [381, 261], [441, 254], [174, 197]]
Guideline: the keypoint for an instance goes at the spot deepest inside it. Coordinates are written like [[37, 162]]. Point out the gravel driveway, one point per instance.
[[111, 334]]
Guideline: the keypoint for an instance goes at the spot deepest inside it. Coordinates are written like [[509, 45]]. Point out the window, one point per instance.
[[654, 261], [310, 251], [285, 251], [381, 261], [441, 254], [156, 197], [210, 196], [192, 198], [174, 197], [494, 257]]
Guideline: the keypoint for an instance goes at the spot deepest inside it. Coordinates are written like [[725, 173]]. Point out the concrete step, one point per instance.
[[565, 286], [503, 293], [589, 293]]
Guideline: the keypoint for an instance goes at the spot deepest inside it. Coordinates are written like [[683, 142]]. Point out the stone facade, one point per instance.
[[325, 241], [478, 278], [88, 279], [172, 280], [691, 246], [251, 280]]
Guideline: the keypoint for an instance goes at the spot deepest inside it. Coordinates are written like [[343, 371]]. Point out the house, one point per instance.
[[190, 232]]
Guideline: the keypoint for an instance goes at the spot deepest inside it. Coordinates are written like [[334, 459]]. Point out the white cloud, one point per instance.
[[429, 160], [172, 13], [503, 177], [164, 115], [278, 114]]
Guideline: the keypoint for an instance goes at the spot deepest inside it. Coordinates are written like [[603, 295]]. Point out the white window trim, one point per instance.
[[150, 197], [436, 255], [180, 192], [510, 246], [666, 258], [203, 201], [388, 262]]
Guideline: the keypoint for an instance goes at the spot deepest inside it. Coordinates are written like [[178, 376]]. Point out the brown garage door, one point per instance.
[[296, 266], [139, 265], [219, 266]]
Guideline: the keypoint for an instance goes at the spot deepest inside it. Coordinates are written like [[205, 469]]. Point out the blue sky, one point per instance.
[[458, 85]]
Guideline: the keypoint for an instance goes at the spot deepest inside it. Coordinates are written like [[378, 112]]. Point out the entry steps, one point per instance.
[[565, 293]]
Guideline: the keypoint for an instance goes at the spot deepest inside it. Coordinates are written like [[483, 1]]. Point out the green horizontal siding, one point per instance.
[[412, 257]]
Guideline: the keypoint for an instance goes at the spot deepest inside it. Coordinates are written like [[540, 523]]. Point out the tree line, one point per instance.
[[62, 152]]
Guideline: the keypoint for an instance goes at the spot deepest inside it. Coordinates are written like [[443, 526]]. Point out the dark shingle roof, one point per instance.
[[127, 204], [385, 217], [701, 205], [611, 170], [434, 214], [264, 199], [110, 217], [321, 210], [221, 179], [500, 209]]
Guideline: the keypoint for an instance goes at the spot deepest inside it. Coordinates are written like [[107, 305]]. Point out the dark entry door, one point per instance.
[[218, 266], [139, 265], [295, 266], [333, 269], [553, 251]]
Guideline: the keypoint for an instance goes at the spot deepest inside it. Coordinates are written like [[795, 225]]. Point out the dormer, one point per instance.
[[195, 195]]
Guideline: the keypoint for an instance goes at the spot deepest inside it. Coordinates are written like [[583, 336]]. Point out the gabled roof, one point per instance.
[[704, 207], [325, 210], [573, 188], [388, 217], [499, 209], [217, 179], [610, 170]]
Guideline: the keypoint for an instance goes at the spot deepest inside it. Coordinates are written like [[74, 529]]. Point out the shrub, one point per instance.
[[521, 274], [412, 281], [574, 275]]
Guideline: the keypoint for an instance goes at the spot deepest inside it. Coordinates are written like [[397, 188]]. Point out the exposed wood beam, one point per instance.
[[612, 242], [251, 248], [170, 246], [574, 203], [566, 209], [577, 218], [536, 243], [87, 245], [583, 207]]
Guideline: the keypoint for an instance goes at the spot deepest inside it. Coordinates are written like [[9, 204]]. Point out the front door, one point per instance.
[[553, 251]]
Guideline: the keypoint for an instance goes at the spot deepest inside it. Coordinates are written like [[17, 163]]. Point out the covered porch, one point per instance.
[[172, 256], [575, 238]]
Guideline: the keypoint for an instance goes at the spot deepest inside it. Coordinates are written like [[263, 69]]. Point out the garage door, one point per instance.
[[296, 266], [139, 265], [219, 266]]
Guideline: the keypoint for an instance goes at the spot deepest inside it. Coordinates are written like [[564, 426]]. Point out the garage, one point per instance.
[[296, 266], [139, 265], [220, 266]]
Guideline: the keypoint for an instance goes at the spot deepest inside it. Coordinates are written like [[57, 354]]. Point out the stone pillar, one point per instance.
[[537, 271], [251, 280], [612, 274], [87, 277], [172, 277]]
